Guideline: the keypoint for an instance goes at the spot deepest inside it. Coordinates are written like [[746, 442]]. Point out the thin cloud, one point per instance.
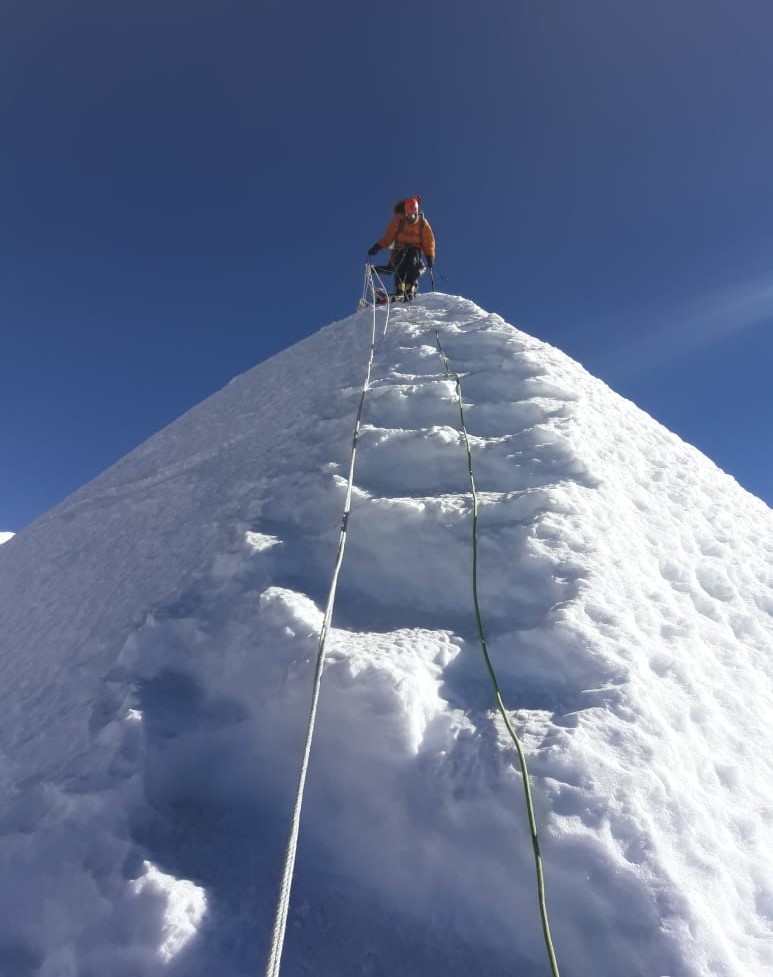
[[668, 336]]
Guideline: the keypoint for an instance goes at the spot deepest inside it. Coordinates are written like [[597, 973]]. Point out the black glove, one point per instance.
[[430, 262], [374, 250]]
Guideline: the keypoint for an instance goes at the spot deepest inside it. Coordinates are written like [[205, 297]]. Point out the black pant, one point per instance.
[[407, 266]]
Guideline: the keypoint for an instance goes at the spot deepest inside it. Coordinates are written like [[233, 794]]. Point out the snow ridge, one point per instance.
[[155, 699]]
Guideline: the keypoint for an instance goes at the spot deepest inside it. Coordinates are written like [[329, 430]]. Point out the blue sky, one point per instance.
[[189, 186]]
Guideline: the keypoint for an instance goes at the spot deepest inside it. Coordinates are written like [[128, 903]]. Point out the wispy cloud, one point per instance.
[[682, 330]]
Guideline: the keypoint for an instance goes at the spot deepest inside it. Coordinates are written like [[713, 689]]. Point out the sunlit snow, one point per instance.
[[158, 632]]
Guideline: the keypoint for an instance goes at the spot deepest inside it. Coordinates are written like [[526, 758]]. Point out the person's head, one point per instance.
[[411, 208]]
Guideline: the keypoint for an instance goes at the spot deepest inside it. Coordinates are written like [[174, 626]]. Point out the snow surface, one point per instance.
[[4, 537], [158, 631]]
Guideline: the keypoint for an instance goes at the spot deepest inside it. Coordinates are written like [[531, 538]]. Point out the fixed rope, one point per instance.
[[492, 674], [283, 904]]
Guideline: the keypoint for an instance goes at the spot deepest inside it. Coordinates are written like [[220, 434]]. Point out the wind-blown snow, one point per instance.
[[157, 637]]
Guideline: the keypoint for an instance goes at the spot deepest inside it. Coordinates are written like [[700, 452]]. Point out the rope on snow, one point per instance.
[[283, 904], [492, 674]]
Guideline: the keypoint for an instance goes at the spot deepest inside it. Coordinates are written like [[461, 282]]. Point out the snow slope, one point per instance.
[[4, 537], [157, 637]]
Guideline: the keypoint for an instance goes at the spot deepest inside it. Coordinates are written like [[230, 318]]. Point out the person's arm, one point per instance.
[[390, 233], [428, 243]]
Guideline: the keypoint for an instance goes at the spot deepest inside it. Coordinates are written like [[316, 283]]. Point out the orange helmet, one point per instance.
[[411, 208]]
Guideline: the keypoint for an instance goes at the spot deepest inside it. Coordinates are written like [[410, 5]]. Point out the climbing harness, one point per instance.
[[283, 905], [492, 674]]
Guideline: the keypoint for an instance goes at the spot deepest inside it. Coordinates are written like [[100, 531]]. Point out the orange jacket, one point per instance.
[[408, 235]]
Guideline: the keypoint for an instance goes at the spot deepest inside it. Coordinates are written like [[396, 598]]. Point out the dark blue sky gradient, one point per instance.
[[188, 186]]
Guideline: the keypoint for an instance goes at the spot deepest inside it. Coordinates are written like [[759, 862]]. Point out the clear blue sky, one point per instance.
[[188, 186]]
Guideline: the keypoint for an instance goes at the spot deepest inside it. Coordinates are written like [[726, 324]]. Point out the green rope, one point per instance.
[[493, 677]]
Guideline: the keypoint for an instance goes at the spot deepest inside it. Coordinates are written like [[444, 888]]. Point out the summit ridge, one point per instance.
[[158, 631]]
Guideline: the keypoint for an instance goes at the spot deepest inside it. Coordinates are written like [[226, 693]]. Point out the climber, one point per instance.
[[409, 236]]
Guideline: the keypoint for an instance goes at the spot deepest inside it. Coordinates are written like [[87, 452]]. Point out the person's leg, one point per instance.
[[399, 260], [412, 269]]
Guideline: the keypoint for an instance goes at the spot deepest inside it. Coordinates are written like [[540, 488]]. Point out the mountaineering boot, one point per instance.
[[410, 291]]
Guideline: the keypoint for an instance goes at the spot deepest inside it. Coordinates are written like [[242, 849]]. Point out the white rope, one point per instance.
[[366, 281], [283, 905]]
